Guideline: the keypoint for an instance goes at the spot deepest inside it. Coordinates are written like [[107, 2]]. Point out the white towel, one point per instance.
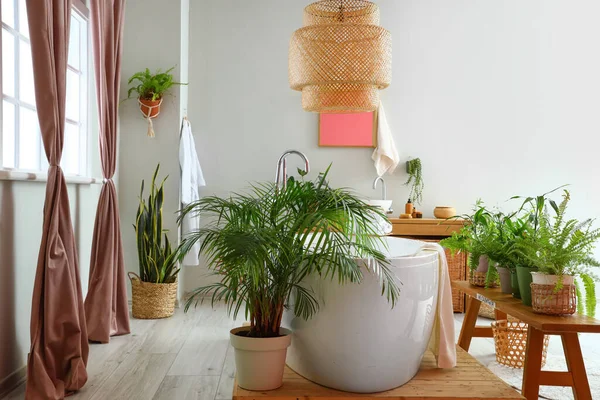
[[385, 155], [191, 179], [441, 342]]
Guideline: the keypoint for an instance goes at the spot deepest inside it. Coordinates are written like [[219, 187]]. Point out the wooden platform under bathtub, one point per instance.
[[469, 380]]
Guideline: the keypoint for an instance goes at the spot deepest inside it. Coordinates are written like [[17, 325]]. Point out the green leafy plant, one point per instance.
[[562, 246], [477, 238], [151, 86], [415, 178], [263, 244], [157, 259]]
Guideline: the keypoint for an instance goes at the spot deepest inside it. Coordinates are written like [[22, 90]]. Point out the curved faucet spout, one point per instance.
[[383, 188], [281, 172]]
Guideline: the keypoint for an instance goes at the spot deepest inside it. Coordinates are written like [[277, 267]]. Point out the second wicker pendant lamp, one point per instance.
[[341, 58]]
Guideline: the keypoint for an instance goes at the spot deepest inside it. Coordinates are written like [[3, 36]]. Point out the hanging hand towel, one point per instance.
[[441, 342], [385, 155], [191, 179]]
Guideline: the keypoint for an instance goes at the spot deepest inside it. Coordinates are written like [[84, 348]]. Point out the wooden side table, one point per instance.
[[567, 327], [434, 230]]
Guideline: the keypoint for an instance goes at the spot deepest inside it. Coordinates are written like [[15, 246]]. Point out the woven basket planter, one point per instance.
[[545, 300], [478, 279], [152, 300], [510, 338]]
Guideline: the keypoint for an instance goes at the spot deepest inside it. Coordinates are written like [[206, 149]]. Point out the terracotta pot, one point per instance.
[[259, 362], [150, 108], [444, 212]]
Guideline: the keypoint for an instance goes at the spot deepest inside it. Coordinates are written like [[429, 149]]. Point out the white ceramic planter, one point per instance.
[[259, 362], [545, 279]]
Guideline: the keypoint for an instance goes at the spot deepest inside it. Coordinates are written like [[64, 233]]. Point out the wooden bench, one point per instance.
[[469, 380], [567, 327]]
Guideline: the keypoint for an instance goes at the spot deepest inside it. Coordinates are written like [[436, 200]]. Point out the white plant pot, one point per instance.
[[260, 361], [545, 279]]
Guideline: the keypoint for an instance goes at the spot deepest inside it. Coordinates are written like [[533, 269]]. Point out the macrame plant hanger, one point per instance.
[[149, 116]]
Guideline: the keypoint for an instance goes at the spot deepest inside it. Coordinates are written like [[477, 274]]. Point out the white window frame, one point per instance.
[[80, 12]]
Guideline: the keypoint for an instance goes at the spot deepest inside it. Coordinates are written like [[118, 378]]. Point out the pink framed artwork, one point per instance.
[[348, 130]]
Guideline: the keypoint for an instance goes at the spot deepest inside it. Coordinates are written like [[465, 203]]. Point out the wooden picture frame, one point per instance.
[[348, 130]]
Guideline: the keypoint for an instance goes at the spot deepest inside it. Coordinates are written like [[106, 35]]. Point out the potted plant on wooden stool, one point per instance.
[[154, 290], [562, 250], [476, 238], [150, 89], [261, 245]]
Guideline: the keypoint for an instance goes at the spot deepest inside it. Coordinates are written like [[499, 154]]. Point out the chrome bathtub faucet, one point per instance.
[[281, 172]]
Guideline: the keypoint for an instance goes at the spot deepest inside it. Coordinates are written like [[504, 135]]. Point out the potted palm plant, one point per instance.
[[154, 290], [262, 245], [150, 88], [562, 250]]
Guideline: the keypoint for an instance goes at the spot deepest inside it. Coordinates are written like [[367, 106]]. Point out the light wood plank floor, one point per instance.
[[188, 356]]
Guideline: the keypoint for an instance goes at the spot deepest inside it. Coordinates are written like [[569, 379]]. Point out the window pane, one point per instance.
[[26, 87], [29, 139], [8, 12], [8, 62], [72, 96], [74, 37], [8, 134], [70, 158], [23, 24]]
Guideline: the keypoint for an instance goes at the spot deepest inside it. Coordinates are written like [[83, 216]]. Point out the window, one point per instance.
[[21, 143]]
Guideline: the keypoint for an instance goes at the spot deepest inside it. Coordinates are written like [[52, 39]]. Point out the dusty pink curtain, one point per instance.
[[59, 348], [106, 305]]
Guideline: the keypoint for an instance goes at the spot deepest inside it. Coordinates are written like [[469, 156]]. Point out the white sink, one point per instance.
[[385, 205]]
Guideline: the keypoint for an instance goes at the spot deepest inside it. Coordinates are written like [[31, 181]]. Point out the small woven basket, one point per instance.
[[478, 279], [152, 300], [510, 338], [545, 300]]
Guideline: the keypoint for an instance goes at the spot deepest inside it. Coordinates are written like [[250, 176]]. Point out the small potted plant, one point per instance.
[[415, 179], [476, 238], [562, 249], [502, 249], [261, 245], [150, 88], [154, 290]]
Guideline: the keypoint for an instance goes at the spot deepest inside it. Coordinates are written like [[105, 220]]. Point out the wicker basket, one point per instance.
[[152, 300], [487, 311], [478, 279], [510, 338], [545, 300]]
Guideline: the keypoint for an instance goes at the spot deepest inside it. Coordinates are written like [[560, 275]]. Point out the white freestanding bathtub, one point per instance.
[[356, 342]]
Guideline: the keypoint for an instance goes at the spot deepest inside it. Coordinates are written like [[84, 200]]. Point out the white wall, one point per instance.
[[152, 39], [496, 98]]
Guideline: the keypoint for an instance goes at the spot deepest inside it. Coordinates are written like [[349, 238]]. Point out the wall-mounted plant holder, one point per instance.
[[150, 109], [150, 89]]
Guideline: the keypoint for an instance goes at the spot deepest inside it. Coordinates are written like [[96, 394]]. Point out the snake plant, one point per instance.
[[157, 259]]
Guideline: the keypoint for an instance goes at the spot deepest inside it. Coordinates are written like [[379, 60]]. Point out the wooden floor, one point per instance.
[[183, 357], [469, 380], [188, 356]]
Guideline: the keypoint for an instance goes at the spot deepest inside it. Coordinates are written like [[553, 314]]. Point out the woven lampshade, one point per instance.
[[341, 58]]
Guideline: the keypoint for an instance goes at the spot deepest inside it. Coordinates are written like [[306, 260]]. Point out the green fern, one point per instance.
[[151, 86], [590, 295], [580, 307]]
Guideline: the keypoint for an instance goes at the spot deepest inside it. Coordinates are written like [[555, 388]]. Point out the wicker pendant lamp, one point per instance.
[[341, 58]]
